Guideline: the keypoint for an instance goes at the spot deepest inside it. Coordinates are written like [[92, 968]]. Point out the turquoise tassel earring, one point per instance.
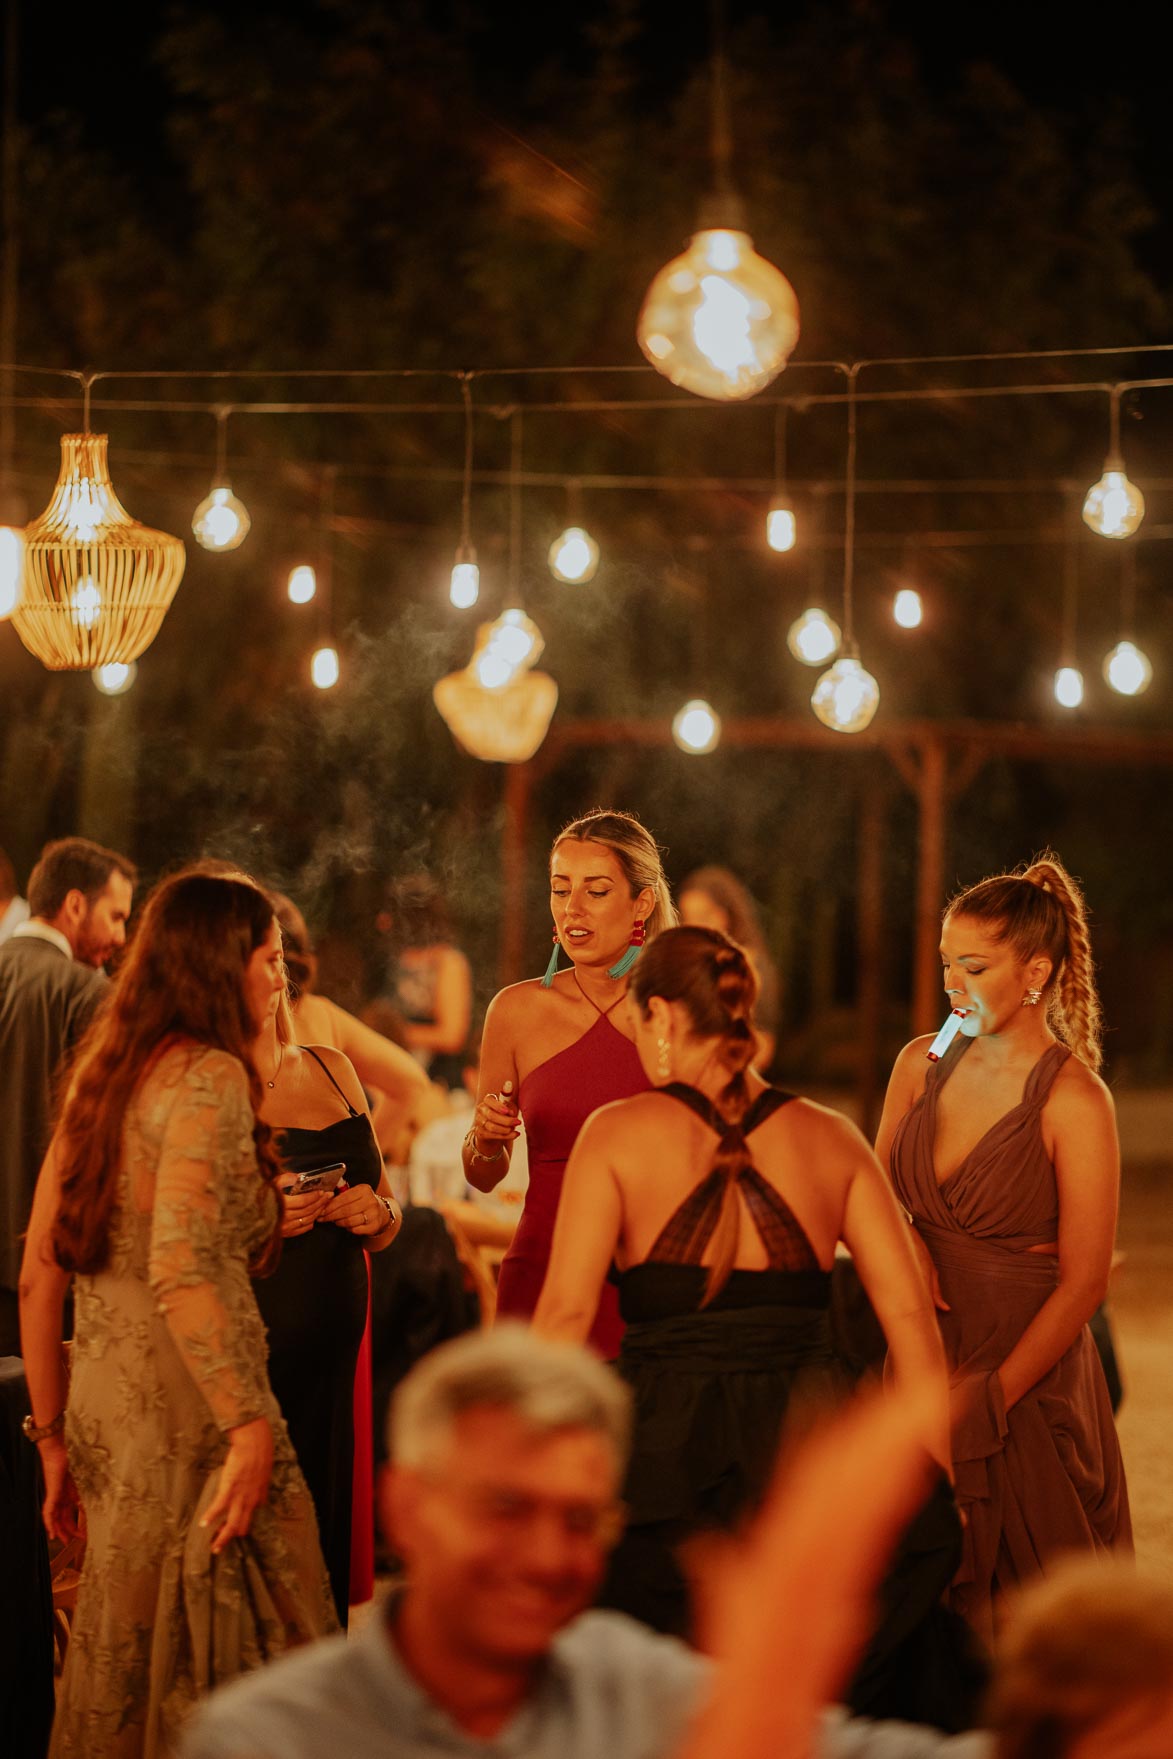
[[552, 967], [622, 966]]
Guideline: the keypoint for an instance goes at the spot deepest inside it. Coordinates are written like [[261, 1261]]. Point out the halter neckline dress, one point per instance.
[[1047, 1476], [555, 1100]]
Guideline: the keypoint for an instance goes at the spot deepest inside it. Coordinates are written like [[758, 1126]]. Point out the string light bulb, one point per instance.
[[1068, 686], [1128, 669], [85, 603], [114, 679], [1114, 507], [464, 583], [907, 608], [696, 727], [324, 668], [813, 637], [302, 584], [846, 697], [221, 521], [11, 569], [781, 527], [464, 586], [574, 556]]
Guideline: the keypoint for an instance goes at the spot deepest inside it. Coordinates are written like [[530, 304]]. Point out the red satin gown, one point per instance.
[[555, 1100]]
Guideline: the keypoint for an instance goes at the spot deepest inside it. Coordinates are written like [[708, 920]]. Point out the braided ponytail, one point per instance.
[[1040, 910], [714, 979], [1073, 1006]]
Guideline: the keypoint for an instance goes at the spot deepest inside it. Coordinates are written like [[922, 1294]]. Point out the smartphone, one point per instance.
[[320, 1179]]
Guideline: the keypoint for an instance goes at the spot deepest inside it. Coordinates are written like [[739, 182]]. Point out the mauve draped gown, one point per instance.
[[1046, 1476]]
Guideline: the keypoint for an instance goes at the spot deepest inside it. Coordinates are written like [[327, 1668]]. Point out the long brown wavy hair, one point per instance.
[[182, 982], [712, 976]]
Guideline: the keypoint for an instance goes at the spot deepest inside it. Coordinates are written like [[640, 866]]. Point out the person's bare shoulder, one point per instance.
[[520, 1003], [343, 1071], [1079, 1094]]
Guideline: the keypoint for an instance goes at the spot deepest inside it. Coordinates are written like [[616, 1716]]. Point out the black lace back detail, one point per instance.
[[685, 1236]]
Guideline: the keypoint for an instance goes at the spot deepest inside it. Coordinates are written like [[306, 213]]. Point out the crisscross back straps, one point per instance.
[[685, 1236]]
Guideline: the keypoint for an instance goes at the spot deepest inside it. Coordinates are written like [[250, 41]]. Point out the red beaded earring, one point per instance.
[[624, 965]]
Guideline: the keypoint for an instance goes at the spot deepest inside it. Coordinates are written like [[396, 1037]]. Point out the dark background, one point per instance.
[[311, 186]]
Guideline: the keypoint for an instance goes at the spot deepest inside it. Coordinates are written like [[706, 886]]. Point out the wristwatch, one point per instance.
[[30, 1429]]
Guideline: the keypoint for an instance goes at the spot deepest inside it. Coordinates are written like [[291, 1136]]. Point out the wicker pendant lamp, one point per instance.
[[97, 584]]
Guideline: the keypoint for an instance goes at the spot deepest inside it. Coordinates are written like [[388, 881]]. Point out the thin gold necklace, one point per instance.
[[280, 1060]]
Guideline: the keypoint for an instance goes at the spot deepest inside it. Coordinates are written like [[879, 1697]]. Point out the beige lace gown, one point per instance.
[[169, 1355]]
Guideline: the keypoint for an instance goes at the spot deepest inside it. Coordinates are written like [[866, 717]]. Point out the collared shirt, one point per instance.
[[612, 1690], [14, 913], [36, 930]]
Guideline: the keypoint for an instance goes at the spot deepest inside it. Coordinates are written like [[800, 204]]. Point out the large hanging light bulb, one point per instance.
[[696, 727], [813, 637], [719, 319], [114, 680], [97, 584], [1068, 686], [302, 584], [846, 696], [1128, 669], [1114, 506], [464, 587]]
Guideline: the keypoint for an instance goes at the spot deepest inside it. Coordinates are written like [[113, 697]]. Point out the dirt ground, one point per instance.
[[1142, 1318]]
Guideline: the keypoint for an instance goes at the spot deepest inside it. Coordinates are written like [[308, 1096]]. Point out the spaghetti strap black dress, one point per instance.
[[315, 1308], [716, 1391]]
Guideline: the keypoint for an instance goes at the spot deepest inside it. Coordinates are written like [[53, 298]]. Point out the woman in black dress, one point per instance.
[[721, 1200], [315, 1304]]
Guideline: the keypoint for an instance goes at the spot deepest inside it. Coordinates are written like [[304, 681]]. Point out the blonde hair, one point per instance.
[[1040, 910], [1090, 1640], [638, 854]]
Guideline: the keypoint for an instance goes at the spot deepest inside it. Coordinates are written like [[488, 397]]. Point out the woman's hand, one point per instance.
[[301, 1212], [495, 1121], [244, 1482], [360, 1211], [60, 1511]]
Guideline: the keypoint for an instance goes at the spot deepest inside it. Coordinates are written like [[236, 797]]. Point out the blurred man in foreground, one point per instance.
[[507, 1453]]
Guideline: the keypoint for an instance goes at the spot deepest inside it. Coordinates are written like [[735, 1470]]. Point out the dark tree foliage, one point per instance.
[[360, 185]]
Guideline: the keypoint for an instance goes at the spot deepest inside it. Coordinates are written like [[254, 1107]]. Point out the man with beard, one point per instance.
[[51, 981]]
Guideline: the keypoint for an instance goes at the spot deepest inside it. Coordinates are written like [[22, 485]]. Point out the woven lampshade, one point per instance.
[[97, 584], [505, 725]]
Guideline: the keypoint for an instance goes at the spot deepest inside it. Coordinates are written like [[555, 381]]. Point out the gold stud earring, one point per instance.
[[1032, 998], [663, 1059]]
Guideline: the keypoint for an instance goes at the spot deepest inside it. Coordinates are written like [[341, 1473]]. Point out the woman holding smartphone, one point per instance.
[[337, 1201]]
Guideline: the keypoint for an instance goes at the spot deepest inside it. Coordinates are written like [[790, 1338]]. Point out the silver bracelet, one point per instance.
[[474, 1151]]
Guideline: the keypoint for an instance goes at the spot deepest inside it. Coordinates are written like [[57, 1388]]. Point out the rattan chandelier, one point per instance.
[[97, 584]]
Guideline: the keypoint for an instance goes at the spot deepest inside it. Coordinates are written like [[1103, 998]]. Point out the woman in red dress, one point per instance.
[[556, 1048]]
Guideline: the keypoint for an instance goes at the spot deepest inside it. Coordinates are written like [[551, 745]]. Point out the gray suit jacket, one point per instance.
[[46, 1002]]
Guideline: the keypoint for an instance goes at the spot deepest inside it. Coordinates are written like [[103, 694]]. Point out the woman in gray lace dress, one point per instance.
[[158, 1194]]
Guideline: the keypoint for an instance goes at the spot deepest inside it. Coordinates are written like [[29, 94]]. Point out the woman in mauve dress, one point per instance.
[[1005, 1156], [554, 1049]]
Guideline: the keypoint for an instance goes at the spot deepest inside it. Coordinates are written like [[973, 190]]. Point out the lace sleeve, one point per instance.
[[200, 1286]]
